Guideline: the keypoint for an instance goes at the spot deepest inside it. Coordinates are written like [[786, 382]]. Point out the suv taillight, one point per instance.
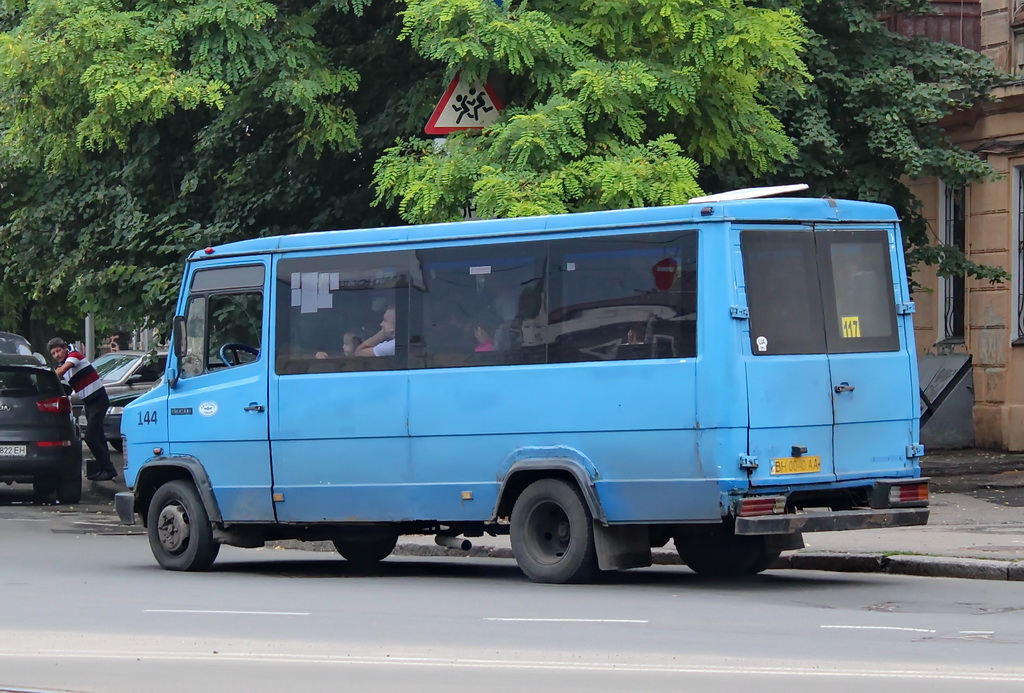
[[57, 405]]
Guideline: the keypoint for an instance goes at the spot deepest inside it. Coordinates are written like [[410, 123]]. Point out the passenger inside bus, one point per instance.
[[382, 343], [349, 343]]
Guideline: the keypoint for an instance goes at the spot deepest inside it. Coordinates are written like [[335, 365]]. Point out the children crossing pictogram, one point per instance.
[[464, 107]]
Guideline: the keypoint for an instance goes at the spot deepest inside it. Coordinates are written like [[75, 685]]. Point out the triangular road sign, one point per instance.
[[464, 107]]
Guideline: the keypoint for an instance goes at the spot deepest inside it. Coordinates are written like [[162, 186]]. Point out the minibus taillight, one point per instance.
[[57, 405], [54, 443], [761, 505], [908, 493]]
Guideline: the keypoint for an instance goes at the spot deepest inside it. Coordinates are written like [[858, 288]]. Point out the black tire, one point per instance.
[[179, 529], [69, 490], [117, 444], [722, 555], [43, 488], [366, 550], [552, 533]]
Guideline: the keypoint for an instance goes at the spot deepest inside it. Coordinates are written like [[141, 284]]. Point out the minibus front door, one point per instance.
[[787, 368], [870, 351], [218, 402]]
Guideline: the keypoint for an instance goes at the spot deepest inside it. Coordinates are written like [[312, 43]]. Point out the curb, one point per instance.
[[905, 564], [895, 564]]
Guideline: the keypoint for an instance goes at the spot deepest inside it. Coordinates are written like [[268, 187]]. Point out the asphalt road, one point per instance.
[[87, 609]]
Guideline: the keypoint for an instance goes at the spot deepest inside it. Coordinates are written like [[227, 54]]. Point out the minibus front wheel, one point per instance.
[[552, 533], [179, 529]]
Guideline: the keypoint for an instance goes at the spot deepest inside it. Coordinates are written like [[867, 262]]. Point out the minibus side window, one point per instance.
[[328, 306], [222, 331], [624, 297], [235, 328], [783, 292], [480, 305]]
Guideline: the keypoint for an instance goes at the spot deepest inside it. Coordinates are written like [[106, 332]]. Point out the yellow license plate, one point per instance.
[[796, 465]]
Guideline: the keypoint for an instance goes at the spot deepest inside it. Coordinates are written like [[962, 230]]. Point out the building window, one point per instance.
[[952, 289], [1017, 48], [1018, 233]]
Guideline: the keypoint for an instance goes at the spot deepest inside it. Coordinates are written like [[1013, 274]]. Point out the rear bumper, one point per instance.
[[59, 462], [831, 521]]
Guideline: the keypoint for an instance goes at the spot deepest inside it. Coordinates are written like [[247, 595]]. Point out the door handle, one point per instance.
[[844, 387], [254, 407]]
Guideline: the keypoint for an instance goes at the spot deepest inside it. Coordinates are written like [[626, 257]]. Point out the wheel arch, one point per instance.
[[524, 472], [158, 471]]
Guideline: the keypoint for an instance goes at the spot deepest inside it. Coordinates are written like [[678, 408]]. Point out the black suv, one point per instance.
[[39, 441]]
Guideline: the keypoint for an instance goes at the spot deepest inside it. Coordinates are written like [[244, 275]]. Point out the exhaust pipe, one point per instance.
[[450, 542]]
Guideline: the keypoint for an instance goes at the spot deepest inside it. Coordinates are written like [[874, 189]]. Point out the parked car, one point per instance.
[[11, 343], [39, 441], [123, 373]]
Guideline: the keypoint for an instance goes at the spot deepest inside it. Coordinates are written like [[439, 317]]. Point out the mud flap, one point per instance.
[[784, 542], [622, 546]]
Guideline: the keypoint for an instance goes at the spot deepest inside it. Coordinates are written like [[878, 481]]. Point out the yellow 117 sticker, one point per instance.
[[851, 326]]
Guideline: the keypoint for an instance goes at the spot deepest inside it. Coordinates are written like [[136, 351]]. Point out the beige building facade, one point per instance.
[[977, 318]]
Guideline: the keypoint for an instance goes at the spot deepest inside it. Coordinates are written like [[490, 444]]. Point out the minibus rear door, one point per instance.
[[872, 369], [789, 385]]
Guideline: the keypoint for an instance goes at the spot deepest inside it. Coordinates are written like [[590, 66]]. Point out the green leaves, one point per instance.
[[81, 76], [610, 104]]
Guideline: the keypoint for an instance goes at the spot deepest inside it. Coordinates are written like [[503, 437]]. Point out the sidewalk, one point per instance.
[[976, 528]]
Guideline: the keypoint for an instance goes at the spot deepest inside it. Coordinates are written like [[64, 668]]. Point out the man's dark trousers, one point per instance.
[[96, 406]]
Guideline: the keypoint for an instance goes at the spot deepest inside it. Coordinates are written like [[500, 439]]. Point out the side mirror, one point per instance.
[[178, 335]]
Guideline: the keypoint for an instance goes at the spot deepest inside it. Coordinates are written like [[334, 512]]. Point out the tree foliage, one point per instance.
[[136, 133], [609, 104], [869, 121]]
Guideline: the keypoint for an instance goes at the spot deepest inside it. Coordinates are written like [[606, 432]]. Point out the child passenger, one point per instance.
[[349, 343]]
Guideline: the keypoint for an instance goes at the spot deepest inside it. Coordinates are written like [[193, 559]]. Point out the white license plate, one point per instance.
[[13, 450]]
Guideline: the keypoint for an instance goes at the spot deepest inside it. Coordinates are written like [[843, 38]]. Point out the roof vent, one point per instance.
[[749, 193]]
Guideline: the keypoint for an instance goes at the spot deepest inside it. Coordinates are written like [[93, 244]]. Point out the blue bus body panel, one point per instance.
[[341, 444], [341, 448]]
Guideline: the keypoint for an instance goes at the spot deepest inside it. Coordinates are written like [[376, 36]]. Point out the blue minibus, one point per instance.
[[724, 375]]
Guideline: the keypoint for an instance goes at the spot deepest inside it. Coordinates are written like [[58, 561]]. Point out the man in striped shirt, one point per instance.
[[83, 378]]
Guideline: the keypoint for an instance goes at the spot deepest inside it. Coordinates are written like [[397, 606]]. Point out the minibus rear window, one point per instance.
[[826, 291], [783, 293]]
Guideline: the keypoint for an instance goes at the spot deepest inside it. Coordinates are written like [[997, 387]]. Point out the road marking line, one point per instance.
[[910, 630], [455, 662], [218, 611], [569, 620]]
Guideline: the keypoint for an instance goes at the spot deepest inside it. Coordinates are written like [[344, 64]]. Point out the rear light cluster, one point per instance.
[[54, 443], [761, 505], [908, 493], [57, 405]]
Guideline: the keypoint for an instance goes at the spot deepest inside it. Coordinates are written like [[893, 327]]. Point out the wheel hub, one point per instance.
[[551, 532], [173, 528]]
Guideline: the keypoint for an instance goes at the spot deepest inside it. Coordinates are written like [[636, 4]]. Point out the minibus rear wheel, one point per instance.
[[180, 534], [552, 533]]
